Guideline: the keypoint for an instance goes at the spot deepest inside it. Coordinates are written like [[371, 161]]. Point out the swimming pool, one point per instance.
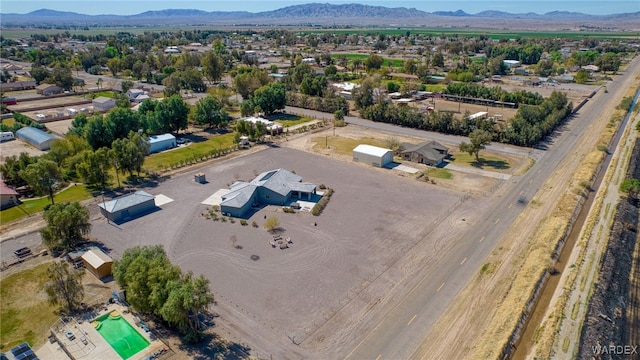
[[122, 337]]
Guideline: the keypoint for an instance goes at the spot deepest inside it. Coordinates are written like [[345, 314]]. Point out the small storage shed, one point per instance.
[[158, 143], [103, 103], [372, 155], [97, 262], [35, 137], [127, 206]]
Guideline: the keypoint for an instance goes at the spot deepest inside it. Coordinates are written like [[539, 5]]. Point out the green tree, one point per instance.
[[392, 86], [172, 114], [64, 287], [437, 60], [270, 97], [581, 76], [188, 298], [43, 177], [631, 187], [39, 73], [373, 62], [363, 95], [94, 167], [67, 224], [130, 153], [212, 66], [144, 272], [247, 80], [479, 139], [12, 167], [126, 85], [209, 111]]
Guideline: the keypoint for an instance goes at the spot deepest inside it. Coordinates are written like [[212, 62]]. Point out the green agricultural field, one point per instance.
[[29, 207], [24, 309], [493, 34], [156, 162]]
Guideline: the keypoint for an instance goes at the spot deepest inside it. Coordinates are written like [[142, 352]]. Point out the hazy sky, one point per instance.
[[119, 7]]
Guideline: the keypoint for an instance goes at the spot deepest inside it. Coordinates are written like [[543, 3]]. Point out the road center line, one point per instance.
[[413, 318], [379, 356], [463, 260], [497, 220], [510, 205], [440, 287], [482, 238]]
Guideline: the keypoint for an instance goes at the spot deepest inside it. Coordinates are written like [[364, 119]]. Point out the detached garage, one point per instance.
[[162, 142], [97, 262], [128, 206], [372, 155]]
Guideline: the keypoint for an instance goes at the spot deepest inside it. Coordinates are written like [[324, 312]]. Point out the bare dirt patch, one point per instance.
[[15, 147]]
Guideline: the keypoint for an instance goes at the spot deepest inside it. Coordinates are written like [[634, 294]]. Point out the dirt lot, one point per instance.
[[461, 181], [261, 285], [15, 147], [58, 102]]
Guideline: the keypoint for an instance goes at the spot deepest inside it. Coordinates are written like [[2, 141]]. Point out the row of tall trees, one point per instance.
[[531, 124]]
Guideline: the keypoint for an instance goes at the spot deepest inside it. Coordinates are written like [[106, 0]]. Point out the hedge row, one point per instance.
[[317, 208]]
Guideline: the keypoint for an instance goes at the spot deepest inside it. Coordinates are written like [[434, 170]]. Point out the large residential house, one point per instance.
[[431, 153], [275, 187]]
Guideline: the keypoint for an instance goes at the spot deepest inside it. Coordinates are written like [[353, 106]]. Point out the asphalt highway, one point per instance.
[[403, 328]]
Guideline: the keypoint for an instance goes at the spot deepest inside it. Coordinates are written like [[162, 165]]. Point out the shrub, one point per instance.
[[288, 209], [232, 220], [244, 222], [223, 219], [272, 223], [317, 208], [254, 224]]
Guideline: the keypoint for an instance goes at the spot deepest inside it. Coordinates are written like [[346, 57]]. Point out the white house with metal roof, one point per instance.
[[128, 206], [275, 187], [372, 155]]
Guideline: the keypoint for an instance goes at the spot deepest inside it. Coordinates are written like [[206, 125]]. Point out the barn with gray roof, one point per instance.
[[128, 206]]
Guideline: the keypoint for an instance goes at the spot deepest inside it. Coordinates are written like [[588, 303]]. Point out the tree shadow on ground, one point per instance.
[[212, 346], [494, 164]]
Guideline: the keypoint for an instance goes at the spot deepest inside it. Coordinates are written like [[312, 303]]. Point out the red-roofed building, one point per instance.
[[8, 196]]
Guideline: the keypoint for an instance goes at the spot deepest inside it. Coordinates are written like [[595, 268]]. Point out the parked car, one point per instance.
[[22, 252]]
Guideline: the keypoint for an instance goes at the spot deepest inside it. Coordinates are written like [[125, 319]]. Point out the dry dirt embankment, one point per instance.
[[612, 313], [491, 309]]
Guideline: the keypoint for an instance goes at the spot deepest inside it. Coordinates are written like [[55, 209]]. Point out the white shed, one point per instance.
[[372, 155]]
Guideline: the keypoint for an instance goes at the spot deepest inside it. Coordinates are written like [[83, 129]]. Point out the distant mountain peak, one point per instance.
[[451, 13]]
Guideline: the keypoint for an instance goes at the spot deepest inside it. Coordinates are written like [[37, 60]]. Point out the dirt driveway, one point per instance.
[[374, 217]]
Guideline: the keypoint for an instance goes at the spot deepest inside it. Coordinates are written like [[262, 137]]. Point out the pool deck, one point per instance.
[[95, 346]]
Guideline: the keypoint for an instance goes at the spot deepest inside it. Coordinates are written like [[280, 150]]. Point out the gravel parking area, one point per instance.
[[373, 218], [15, 147]]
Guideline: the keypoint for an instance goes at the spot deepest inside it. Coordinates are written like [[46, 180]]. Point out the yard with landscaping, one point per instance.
[[33, 206]]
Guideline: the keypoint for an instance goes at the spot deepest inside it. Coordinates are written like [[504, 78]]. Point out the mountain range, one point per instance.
[[327, 14]]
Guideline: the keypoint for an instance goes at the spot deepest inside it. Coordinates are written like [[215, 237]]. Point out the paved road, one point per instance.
[[403, 328], [427, 135]]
